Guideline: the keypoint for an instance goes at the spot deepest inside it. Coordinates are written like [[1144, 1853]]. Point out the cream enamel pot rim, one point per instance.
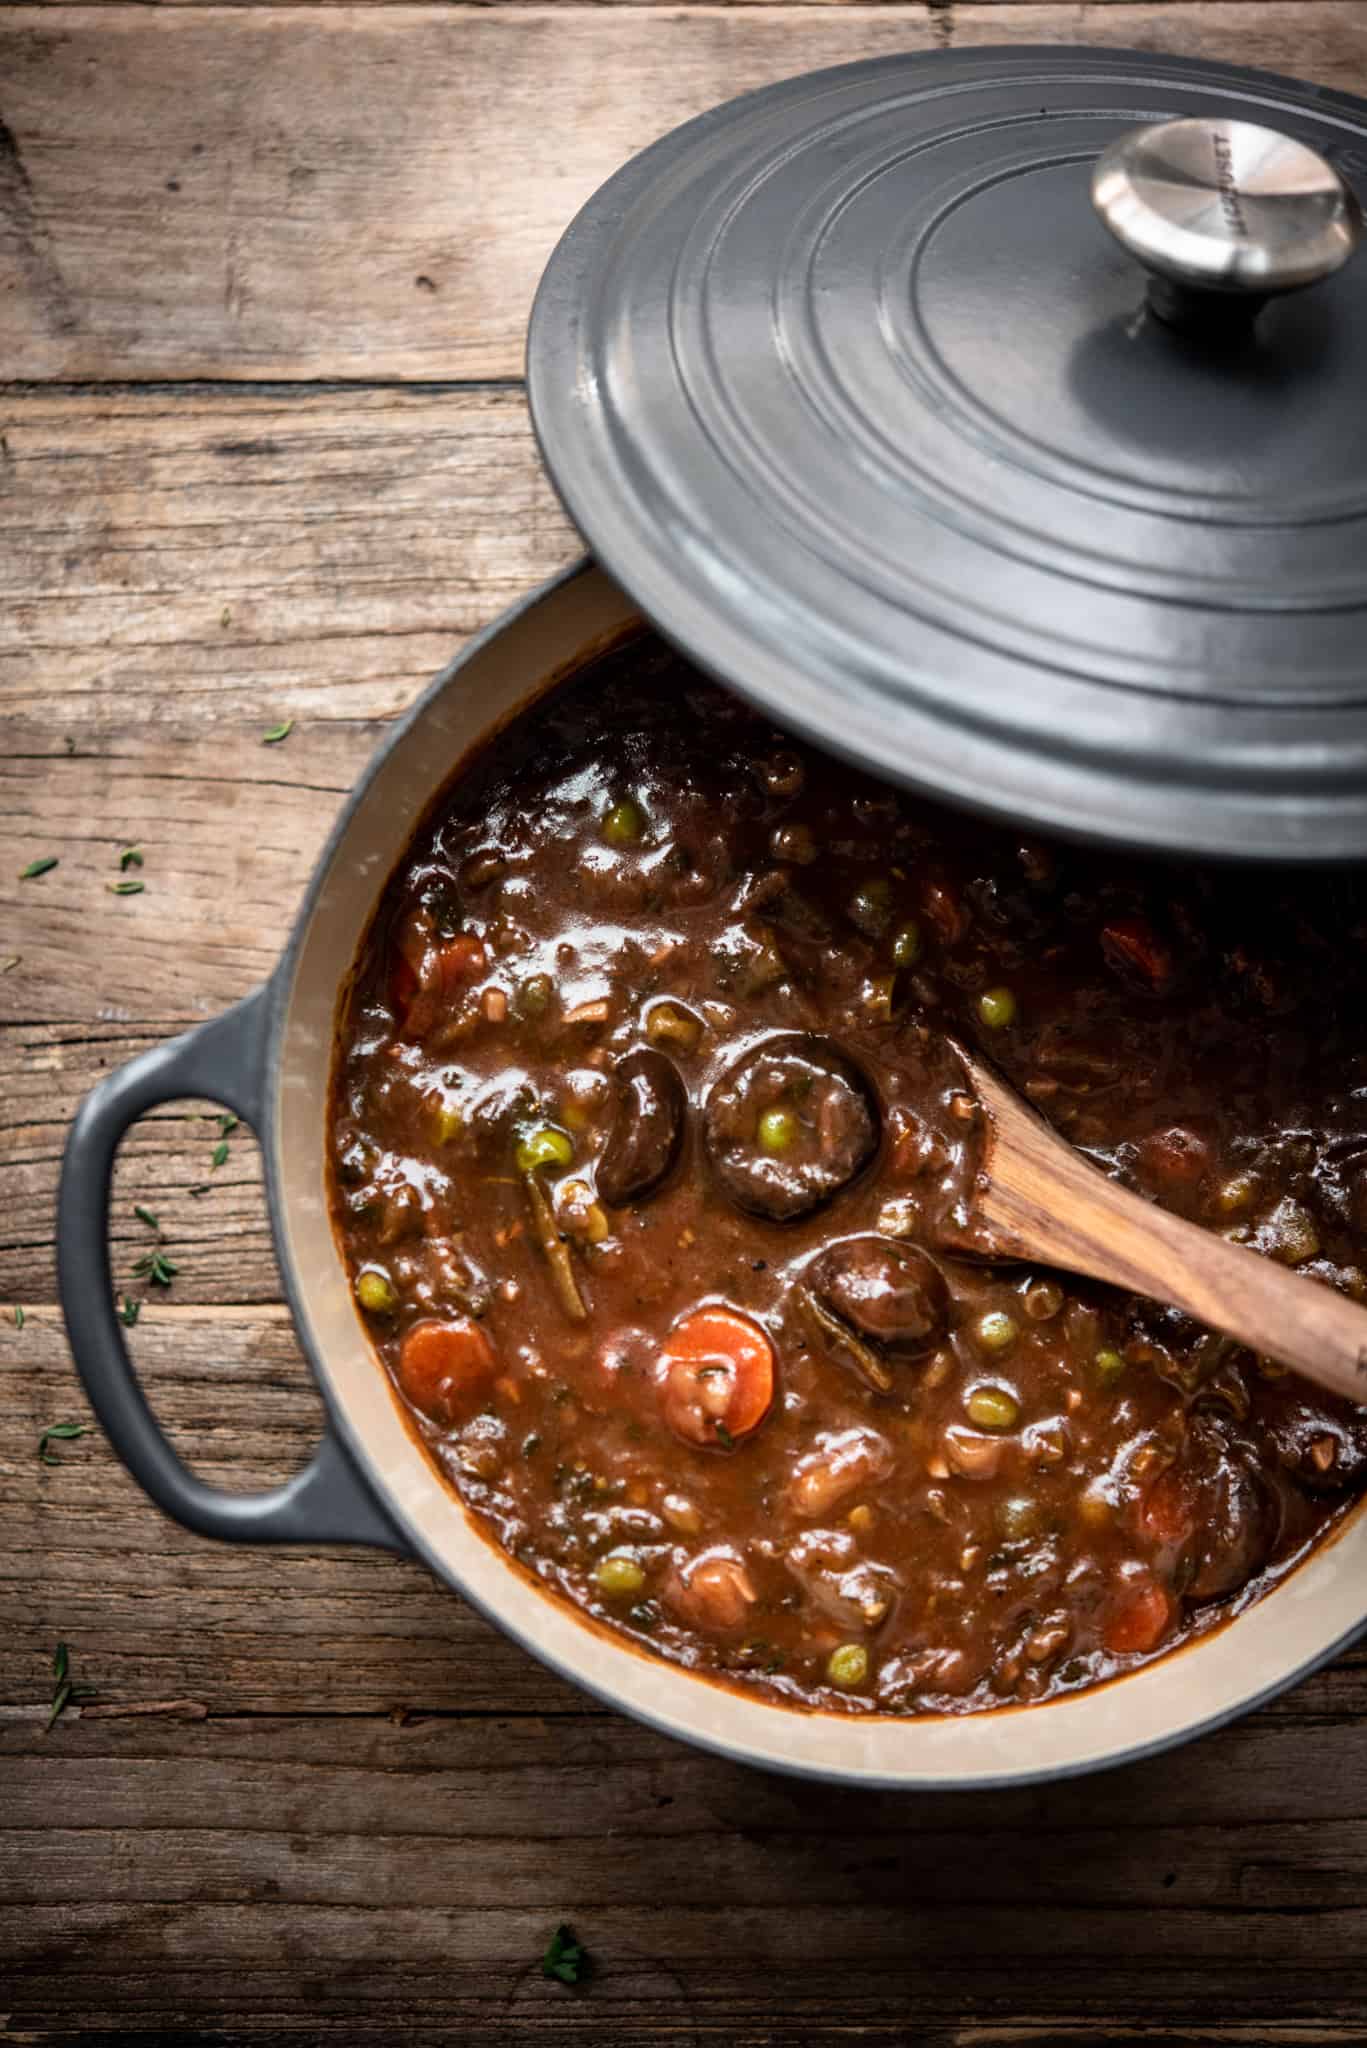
[[371, 1482]]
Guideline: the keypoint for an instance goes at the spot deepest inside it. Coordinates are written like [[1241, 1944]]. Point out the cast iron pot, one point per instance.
[[371, 1482]]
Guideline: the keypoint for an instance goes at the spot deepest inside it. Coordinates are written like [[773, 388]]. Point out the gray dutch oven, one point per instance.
[[671, 519]]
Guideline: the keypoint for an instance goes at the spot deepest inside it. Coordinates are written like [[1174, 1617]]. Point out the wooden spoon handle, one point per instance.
[[1043, 1200]]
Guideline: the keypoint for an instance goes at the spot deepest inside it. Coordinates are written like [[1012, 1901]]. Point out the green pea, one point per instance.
[[445, 1119], [1109, 1366], [623, 824], [906, 944], [848, 1666], [1043, 1300], [375, 1292], [996, 1330], [997, 1008], [993, 1408], [545, 1146], [619, 1576], [1016, 1518], [534, 995], [777, 1130], [871, 906]]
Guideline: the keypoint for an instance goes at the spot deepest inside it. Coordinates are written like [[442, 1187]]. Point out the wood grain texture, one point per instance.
[[239, 1870], [207, 562], [343, 192], [213, 1219], [317, 1799]]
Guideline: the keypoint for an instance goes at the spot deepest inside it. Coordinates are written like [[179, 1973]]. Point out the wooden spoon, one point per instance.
[[1040, 1199]]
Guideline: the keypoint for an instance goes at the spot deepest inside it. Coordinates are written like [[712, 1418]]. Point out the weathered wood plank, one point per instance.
[[218, 560], [218, 1236], [346, 192], [511, 1779], [234, 1871], [642, 6]]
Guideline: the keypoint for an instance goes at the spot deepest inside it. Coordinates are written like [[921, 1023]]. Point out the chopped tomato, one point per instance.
[[1177, 1159], [1139, 956], [716, 1376], [460, 961], [1141, 1615], [1165, 1513], [427, 973], [943, 909], [403, 985], [446, 1366]]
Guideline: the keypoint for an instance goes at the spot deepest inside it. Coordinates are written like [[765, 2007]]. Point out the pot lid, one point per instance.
[[858, 387]]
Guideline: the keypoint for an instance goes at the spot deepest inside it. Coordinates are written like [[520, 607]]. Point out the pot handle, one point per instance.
[[225, 1060]]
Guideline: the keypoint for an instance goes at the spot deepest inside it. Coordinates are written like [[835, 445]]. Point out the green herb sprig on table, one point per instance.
[[62, 1433], [131, 857], [42, 866], [156, 1267], [64, 1687], [566, 1959], [277, 733]]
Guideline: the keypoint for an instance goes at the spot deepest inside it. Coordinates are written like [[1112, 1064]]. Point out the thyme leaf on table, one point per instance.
[[566, 1959], [156, 1267], [59, 1432], [64, 1687]]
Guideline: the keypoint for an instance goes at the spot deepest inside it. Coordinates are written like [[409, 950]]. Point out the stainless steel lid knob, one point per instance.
[[1224, 215]]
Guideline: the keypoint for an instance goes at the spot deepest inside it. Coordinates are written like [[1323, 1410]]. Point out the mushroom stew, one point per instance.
[[654, 1164]]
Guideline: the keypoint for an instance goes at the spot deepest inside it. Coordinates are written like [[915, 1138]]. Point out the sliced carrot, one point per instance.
[[1140, 1617], [445, 1366], [460, 960], [716, 1376]]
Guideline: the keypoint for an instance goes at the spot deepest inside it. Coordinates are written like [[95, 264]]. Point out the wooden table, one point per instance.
[[264, 274]]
